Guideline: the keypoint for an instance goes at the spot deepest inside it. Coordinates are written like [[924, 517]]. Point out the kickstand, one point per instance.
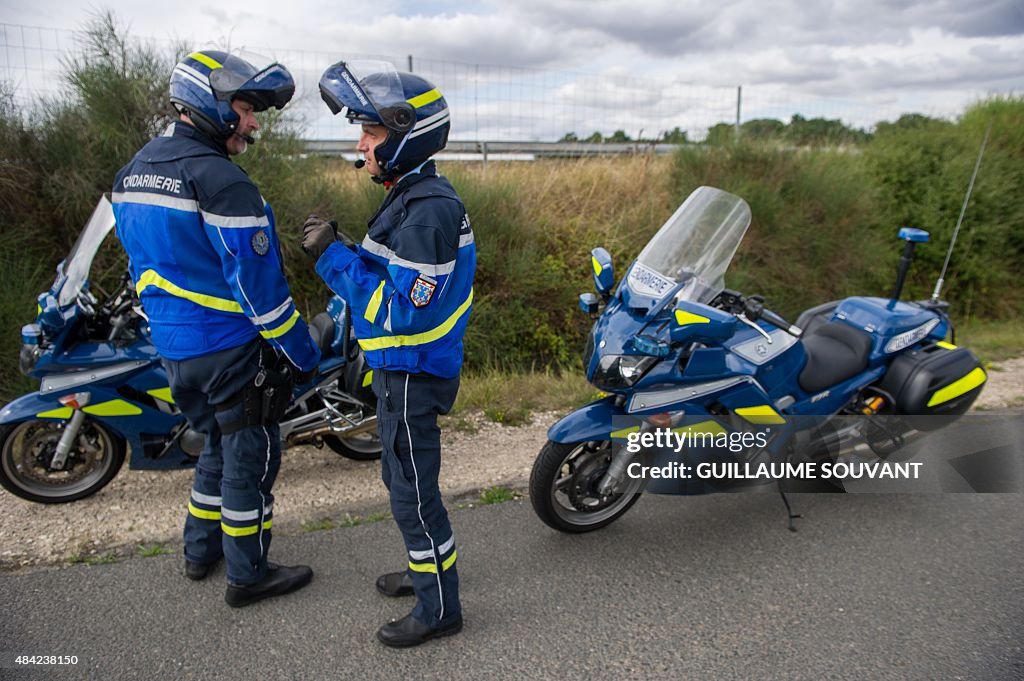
[[789, 509]]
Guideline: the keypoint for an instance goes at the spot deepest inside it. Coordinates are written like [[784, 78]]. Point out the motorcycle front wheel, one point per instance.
[[27, 449], [564, 483]]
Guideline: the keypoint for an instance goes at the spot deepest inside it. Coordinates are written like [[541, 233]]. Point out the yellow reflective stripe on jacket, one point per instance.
[[151, 278], [283, 329], [203, 513], [244, 531], [425, 98], [374, 307], [419, 338], [431, 567], [206, 60]]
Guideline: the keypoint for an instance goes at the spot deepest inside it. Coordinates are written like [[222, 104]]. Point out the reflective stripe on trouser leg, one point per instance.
[[252, 457], [409, 466]]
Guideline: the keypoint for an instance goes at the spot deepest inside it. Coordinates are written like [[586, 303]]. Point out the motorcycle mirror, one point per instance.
[[604, 273]]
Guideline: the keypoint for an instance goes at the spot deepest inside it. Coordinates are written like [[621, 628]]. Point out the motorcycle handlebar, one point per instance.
[[754, 309]]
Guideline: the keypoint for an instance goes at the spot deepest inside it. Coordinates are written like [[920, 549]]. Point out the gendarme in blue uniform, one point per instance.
[[410, 284], [205, 259]]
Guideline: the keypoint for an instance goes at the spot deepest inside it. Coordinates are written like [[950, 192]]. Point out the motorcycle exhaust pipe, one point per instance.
[[366, 426]]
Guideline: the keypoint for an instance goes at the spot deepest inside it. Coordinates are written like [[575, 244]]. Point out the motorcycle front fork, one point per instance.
[[616, 471], [67, 440]]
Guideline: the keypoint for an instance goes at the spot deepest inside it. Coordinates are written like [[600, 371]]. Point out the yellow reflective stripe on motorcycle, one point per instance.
[[151, 278], [432, 567], [205, 60], [760, 415], [597, 266], [959, 387], [162, 394], [60, 413], [683, 318], [425, 98], [419, 338], [712, 427], [113, 408], [374, 307], [624, 433], [368, 378], [284, 328], [946, 346], [203, 513], [244, 531]]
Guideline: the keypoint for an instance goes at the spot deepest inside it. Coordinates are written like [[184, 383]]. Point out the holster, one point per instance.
[[266, 397]]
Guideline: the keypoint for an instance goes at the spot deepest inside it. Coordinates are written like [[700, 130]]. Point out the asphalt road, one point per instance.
[[872, 586]]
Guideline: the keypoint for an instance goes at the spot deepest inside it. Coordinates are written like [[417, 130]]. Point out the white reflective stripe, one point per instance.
[[266, 319], [245, 515], [465, 239], [421, 555], [438, 124], [152, 199], [445, 547], [191, 74], [239, 515], [430, 120], [235, 222], [382, 251], [205, 499]]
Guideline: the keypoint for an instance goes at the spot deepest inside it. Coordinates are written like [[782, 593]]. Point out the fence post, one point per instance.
[[739, 103], [410, 63]]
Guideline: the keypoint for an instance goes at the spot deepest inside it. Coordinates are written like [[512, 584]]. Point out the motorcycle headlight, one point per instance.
[[615, 372]]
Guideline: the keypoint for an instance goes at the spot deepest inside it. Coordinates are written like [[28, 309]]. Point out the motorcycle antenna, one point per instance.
[[960, 220]]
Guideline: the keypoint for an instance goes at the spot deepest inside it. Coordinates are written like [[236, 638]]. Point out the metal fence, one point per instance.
[[488, 102]]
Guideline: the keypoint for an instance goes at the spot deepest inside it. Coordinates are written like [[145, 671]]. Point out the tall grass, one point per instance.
[[824, 222]]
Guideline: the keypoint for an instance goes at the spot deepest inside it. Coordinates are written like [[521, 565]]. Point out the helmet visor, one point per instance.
[[367, 92], [264, 86]]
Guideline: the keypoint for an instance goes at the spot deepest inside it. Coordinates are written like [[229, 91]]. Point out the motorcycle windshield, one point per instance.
[[79, 260], [694, 247]]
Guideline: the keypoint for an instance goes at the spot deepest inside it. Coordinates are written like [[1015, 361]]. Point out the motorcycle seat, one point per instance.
[[322, 331], [835, 352]]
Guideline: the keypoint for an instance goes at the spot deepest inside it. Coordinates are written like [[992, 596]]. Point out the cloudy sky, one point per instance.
[[577, 65]]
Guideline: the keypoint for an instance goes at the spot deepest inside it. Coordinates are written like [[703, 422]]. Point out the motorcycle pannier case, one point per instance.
[[936, 380]]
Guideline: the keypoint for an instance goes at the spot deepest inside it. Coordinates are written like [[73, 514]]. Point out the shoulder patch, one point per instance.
[[260, 242], [422, 291]]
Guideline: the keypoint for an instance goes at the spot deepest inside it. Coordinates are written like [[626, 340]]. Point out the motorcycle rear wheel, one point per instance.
[[563, 480], [363, 447], [27, 447]]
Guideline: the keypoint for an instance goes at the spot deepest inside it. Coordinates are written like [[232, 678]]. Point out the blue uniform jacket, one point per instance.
[[410, 282], [203, 252]]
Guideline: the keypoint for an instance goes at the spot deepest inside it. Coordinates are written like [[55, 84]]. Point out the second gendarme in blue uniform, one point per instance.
[[204, 255], [410, 285]]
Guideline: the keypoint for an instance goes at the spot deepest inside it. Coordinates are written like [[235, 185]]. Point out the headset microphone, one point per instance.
[[360, 163]]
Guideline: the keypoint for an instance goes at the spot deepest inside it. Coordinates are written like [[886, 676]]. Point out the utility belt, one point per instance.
[[266, 397]]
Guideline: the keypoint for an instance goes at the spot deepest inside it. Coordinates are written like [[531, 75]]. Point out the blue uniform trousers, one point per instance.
[[230, 508], [407, 409]]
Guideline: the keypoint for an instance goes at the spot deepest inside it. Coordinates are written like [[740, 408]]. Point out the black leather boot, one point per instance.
[[395, 584], [280, 580], [409, 631], [198, 571]]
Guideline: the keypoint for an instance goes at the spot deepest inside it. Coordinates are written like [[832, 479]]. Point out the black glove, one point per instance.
[[345, 240], [317, 235]]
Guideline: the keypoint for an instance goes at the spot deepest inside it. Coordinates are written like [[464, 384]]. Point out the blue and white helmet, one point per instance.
[[204, 83], [409, 106]]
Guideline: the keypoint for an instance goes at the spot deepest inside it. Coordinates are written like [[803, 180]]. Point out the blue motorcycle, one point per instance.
[[103, 390], [672, 348]]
